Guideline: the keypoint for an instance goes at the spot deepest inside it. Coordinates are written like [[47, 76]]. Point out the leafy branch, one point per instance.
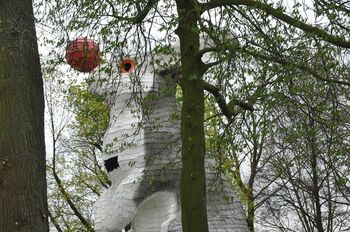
[[279, 14]]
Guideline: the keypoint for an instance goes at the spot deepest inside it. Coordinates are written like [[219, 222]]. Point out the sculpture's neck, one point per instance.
[[147, 101]]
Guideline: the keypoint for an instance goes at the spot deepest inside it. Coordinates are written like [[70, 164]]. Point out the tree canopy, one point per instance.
[[264, 90]]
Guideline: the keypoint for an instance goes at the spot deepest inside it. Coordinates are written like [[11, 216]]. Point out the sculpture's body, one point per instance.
[[145, 187]]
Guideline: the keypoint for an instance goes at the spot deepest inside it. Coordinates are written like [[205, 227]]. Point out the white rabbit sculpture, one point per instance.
[[142, 156]]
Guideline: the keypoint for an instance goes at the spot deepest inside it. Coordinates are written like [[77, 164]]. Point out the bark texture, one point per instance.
[[23, 198], [193, 193]]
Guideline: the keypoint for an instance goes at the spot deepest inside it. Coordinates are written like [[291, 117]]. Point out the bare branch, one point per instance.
[[279, 14], [70, 201], [141, 14], [298, 65]]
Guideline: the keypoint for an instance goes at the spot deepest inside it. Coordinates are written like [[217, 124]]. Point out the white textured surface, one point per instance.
[[156, 212], [145, 187]]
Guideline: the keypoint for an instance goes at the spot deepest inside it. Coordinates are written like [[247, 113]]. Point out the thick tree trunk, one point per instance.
[[23, 200], [193, 186]]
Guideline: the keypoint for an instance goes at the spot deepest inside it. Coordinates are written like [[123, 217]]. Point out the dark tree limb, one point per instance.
[[54, 222], [215, 91], [226, 108], [71, 204], [141, 13]]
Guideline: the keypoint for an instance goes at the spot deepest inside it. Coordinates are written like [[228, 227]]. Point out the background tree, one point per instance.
[[77, 121], [309, 171]]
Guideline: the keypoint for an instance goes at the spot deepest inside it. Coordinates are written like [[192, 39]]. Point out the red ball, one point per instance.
[[83, 54]]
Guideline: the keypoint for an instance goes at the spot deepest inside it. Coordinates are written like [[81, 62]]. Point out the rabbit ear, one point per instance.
[[127, 66]]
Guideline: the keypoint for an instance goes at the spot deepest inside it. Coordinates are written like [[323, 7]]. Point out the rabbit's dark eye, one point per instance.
[[127, 65]]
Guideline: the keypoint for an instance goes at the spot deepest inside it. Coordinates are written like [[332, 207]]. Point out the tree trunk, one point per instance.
[[314, 170], [250, 211], [23, 198], [193, 186]]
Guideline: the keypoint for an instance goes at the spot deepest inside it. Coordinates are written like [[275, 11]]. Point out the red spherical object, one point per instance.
[[83, 54]]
